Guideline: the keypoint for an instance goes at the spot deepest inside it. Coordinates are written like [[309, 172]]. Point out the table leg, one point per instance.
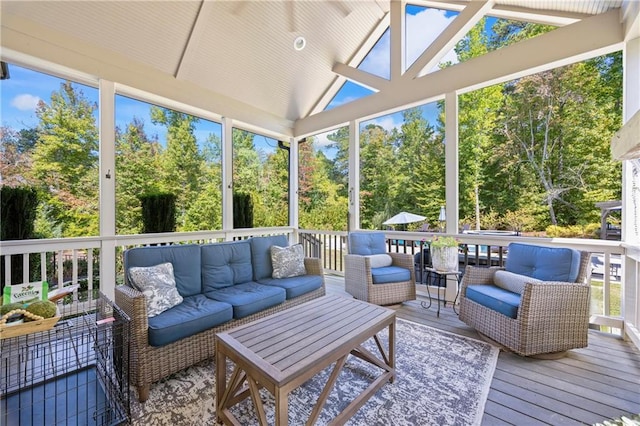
[[392, 348], [282, 407], [221, 381]]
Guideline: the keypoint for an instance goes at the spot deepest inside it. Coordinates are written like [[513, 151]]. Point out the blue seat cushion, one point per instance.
[[367, 243], [261, 254], [543, 263], [249, 298], [295, 286], [195, 314], [389, 274], [184, 258], [226, 264], [496, 298]]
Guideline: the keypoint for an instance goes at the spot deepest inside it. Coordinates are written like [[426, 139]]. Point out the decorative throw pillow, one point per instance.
[[287, 261], [379, 260], [512, 282], [158, 285]]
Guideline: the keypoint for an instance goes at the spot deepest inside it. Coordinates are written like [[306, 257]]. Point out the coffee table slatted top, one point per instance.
[[288, 344]]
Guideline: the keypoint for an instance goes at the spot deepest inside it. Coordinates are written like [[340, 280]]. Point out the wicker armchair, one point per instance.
[[364, 281], [552, 316]]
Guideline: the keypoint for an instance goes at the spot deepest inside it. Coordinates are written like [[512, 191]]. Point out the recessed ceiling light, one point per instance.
[[299, 43]]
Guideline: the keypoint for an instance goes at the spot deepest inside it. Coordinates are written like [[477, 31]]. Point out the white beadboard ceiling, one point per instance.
[[242, 50]]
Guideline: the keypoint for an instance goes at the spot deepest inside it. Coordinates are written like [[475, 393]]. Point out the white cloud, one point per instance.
[[25, 102], [377, 61], [388, 122], [421, 30], [322, 141]]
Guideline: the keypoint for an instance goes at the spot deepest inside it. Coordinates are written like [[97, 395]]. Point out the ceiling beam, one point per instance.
[[363, 78], [376, 32], [397, 40], [588, 38], [197, 30], [537, 16], [449, 37]]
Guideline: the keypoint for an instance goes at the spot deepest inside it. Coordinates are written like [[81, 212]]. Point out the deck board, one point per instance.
[[587, 386]]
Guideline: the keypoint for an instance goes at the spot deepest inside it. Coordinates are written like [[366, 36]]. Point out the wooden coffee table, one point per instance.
[[284, 350]]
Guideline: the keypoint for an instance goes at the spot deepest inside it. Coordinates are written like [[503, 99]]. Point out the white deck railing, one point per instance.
[[76, 261]]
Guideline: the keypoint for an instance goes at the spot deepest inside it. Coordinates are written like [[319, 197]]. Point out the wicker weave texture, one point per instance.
[[359, 283], [552, 317], [150, 364]]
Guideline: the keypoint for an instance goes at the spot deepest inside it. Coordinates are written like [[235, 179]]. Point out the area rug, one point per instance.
[[442, 379]]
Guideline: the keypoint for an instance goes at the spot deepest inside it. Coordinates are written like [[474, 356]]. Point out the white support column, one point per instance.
[[107, 183], [227, 173], [451, 161], [397, 45], [630, 210], [354, 175], [294, 160], [451, 177]]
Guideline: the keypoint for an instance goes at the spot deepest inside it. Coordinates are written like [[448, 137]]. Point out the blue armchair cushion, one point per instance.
[[195, 314], [261, 254], [184, 258], [543, 263], [296, 286], [496, 298], [226, 264], [389, 274], [367, 243], [249, 298]]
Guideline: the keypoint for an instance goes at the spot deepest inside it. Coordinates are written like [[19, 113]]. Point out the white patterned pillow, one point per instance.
[[512, 282], [287, 261], [158, 285]]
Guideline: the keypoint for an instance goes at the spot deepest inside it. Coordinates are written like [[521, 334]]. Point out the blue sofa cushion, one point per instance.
[[195, 314], [367, 243], [184, 258], [496, 298], [295, 286], [249, 298], [226, 264], [389, 274], [261, 254], [543, 263]]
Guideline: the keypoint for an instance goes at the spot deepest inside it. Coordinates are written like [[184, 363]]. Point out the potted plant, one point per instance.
[[444, 253]]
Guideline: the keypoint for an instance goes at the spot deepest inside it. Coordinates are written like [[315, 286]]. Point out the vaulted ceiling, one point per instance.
[[237, 58]]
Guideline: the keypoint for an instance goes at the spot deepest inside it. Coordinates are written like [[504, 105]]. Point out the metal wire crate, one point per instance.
[[77, 373]]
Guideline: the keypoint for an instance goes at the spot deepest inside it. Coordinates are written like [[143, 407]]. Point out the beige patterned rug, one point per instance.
[[442, 379]]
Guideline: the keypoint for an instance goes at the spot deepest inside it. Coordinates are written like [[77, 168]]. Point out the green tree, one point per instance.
[[206, 212], [182, 161], [137, 172], [65, 163]]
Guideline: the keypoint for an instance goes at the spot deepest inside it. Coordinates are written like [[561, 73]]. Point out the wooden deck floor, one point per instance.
[[589, 385]]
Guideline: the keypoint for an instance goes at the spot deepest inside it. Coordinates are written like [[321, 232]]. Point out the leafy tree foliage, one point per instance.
[[532, 152], [65, 162]]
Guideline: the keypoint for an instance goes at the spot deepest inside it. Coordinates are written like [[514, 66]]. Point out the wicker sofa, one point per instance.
[[538, 304], [223, 285]]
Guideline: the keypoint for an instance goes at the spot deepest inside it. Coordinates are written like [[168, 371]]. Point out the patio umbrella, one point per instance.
[[403, 218]]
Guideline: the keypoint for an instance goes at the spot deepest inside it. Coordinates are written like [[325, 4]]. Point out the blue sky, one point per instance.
[[21, 93]]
